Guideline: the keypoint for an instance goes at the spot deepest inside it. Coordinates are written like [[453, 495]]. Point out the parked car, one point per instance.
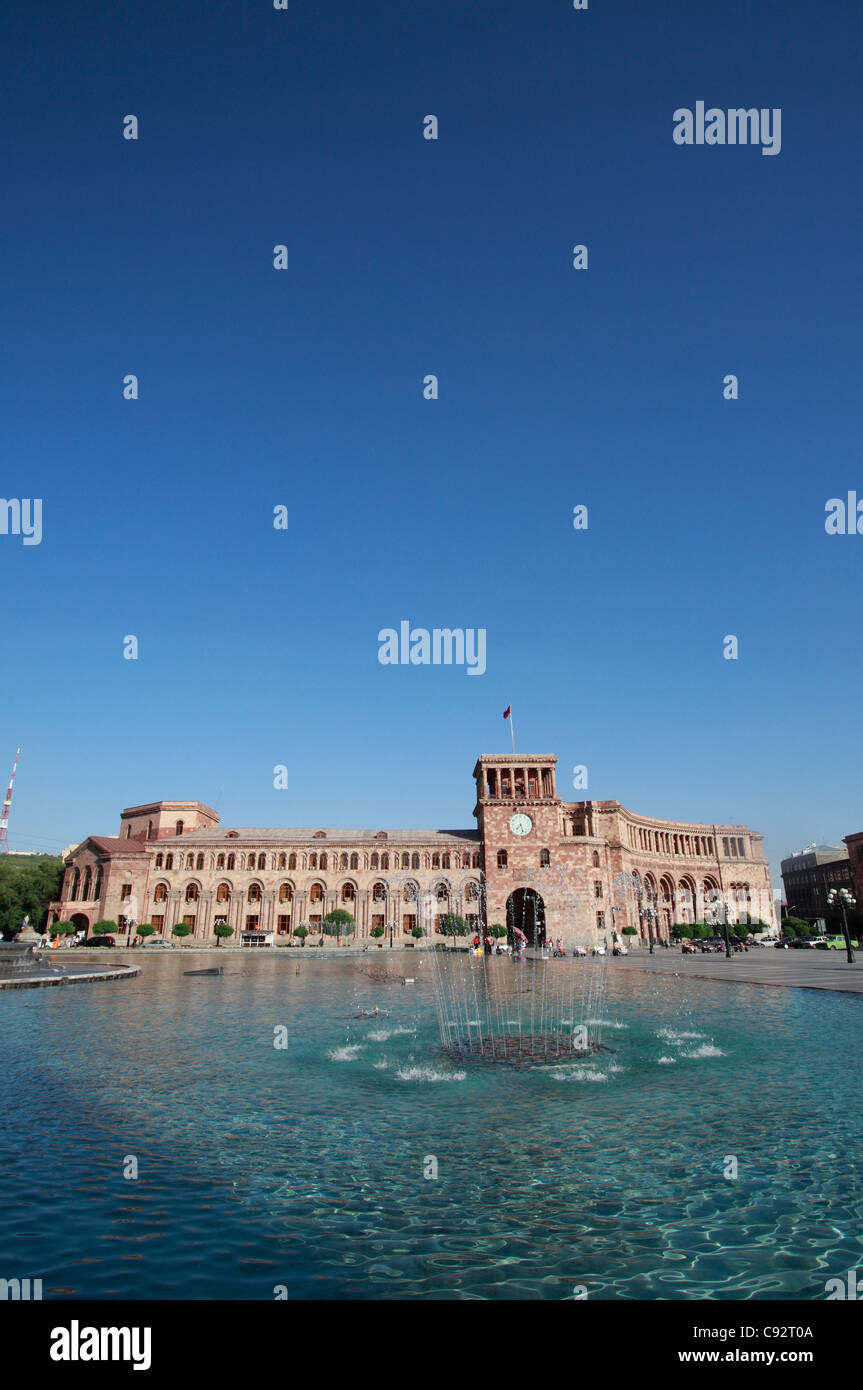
[[99, 941], [689, 948], [158, 941], [835, 943]]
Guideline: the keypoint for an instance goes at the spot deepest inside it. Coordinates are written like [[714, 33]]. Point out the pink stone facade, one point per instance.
[[580, 871]]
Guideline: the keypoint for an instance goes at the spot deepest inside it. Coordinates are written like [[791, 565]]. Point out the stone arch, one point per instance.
[[525, 911]]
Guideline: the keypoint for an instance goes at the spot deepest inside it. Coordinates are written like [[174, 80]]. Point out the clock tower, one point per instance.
[[519, 815]]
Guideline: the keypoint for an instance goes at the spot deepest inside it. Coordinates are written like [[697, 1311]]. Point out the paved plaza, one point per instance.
[[806, 969]]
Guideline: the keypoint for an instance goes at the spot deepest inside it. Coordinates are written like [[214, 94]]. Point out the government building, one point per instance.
[[580, 871]]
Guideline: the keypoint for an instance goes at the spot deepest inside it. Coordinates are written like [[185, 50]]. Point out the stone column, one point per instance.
[[172, 911], [205, 915]]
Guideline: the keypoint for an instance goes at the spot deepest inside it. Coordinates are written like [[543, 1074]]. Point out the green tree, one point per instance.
[[62, 929], [302, 932], [453, 925], [629, 931], [378, 931], [417, 932], [222, 931], [795, 926], [145, 929], [339, 922], [497, 930], [103, 928], [28, 883], [181, 929]]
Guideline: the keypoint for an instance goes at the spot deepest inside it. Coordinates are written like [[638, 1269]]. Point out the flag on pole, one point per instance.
[[507, 712]]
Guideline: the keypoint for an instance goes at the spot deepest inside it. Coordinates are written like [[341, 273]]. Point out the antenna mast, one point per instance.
[[4, 819]]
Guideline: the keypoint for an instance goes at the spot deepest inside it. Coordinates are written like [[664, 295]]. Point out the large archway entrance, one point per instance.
[[526, 910], [80, 922]]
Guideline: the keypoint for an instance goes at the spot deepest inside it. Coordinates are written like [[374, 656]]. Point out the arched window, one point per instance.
[[97, 885], [199, 862], [442, 892], [169, 861], [87, 878], [232, 860], [178, 828], [223, 893], [316, 893], [313, 861], [410, 893], [190, 861], [292, 861], [544, 859], [324, 860], [471, 890], [254, 895], [191, 892], [476, 861], [406, 861], [375, 858], [286, 893], [355, 861], [159, 861], [283, 861], [220, 861], [415, 860], [445, 862], [596, 858], [502, 859], [385, 861], [379, 892], [435, 861], [348, 893], [160, 893], [76, 884]]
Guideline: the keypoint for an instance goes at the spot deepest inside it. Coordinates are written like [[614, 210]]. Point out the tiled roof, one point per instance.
[[309, 835], [112, 844]]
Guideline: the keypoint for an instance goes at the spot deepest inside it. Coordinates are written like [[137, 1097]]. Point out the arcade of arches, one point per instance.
[[575, 870]]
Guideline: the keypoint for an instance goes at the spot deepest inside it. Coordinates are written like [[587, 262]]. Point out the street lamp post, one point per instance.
[[650, 913], [845, 900]]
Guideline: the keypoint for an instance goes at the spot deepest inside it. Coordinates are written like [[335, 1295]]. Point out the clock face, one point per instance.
[[520, 824]]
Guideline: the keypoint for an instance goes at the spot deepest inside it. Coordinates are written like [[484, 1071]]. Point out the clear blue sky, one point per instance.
[[304, 387]]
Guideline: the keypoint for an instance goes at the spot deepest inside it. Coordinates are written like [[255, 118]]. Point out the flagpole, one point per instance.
[[512, 731]]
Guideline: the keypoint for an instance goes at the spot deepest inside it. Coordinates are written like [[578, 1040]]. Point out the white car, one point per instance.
[[157, 941]]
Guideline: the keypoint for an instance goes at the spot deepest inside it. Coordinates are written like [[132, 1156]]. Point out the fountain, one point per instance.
[[18, 958], [22, 967], [524, 1010]]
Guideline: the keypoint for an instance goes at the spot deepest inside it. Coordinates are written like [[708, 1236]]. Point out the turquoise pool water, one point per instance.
[[305, 1166]]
